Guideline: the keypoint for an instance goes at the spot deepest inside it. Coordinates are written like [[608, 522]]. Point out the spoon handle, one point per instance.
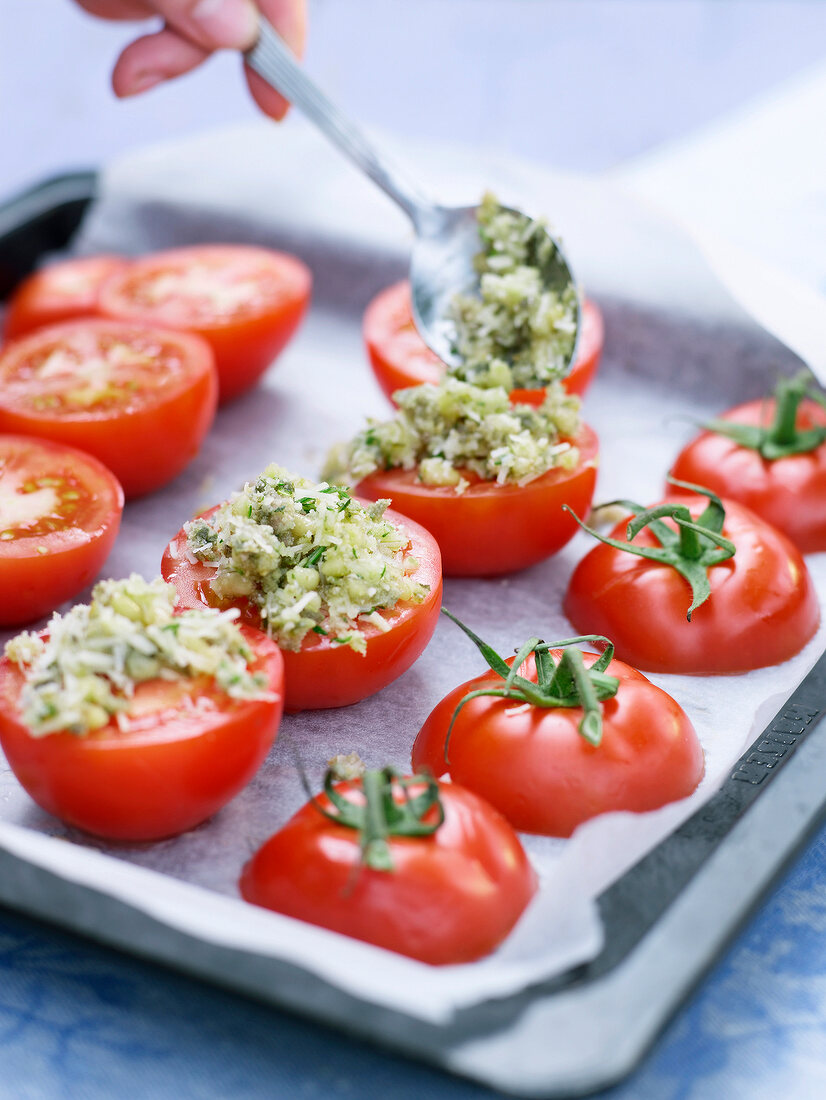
[[272, 60]]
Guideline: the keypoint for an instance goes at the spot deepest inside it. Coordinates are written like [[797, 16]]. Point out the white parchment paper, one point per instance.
[[678, 343]]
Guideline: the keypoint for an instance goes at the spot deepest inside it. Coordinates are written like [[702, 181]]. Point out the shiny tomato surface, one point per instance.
[[322, 674], [140, 399], [491, 529], [452, 897], [400, 358], [534, 766], [246, 302], [62, 291], [762, 610], [788, 492], [188, 750], [60, 511]]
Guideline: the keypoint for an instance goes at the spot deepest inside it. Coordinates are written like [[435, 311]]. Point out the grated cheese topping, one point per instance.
[[95, 655], [308, 556], [517, 333], [448, 429]]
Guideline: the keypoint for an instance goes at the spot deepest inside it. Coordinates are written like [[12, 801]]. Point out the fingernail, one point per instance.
[[232, 24], [143, 81]]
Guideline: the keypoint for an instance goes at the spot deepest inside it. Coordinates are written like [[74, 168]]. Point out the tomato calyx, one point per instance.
[[781, 437], [692, 549], [380, 816], [563, 683]]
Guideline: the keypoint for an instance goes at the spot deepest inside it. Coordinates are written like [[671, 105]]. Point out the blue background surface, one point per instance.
[[606, 79]]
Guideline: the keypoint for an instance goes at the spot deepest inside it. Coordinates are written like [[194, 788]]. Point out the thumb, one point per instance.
[[212, 24]]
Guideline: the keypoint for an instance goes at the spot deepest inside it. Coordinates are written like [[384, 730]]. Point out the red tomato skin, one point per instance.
[[144, 447], [452, 898], [789, 493], [42, 299], [33, 583], [322, 674], [154, 782], [762, 610], [400, 358], [535, 767], [244, 347], [491, 529]]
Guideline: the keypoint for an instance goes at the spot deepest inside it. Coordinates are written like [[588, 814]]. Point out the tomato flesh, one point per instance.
[[762, 610], [60, 292], [321, 673], [491, 529], [245, 302], [60, 512], [139, 399], [452, 897], [188, 751], [788, 492], [535, 767], [400, 358]]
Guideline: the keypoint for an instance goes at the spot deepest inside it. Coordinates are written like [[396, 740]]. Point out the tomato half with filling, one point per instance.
[[140, 399], [188, 749], [246, 302], [60, 292], [535, 767], [452, 896], [322, 673], [60, 512], [489, 528], [400, 358], [762, 609], [788, 492]]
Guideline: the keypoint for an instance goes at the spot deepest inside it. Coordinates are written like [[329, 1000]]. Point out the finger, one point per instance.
[[213, 24], [152, 59], [289, 17], [118, 9]]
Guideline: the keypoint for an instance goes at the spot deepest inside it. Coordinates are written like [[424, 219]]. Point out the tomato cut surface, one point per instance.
[[60, 292], [188, 750], [537, 769], [60, 512], [323, 673], [788, 492], [400, 358], [762, 608], [452, 896], [246, 302], [138, 398], [491, 529]]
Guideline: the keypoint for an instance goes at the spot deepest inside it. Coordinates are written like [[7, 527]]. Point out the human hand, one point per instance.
[[193, 30]]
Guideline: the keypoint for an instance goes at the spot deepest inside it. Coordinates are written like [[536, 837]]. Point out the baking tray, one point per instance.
[[666, 920]]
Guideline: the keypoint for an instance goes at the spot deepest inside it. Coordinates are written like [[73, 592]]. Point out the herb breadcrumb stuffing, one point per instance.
[[95, 655], [449, 429], [518, 333], [309, 557]]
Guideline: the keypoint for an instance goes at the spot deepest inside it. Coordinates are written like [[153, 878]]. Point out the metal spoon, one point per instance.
[[447, 238]]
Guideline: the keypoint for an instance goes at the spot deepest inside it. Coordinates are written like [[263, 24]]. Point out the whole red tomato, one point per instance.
[[60, 512], [448, 896], [491, 529], [762, 607], [188, 750], [789, 490], [400, 358], [321, 673], [246, 302], [140, 399], [60, 292], [535, 766]]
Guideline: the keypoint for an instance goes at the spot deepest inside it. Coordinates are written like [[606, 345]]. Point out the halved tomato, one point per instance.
[[60, 292], [138, 398], [323, 673], [400, 358], [60, 511], [245, 302], [187, 750]]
